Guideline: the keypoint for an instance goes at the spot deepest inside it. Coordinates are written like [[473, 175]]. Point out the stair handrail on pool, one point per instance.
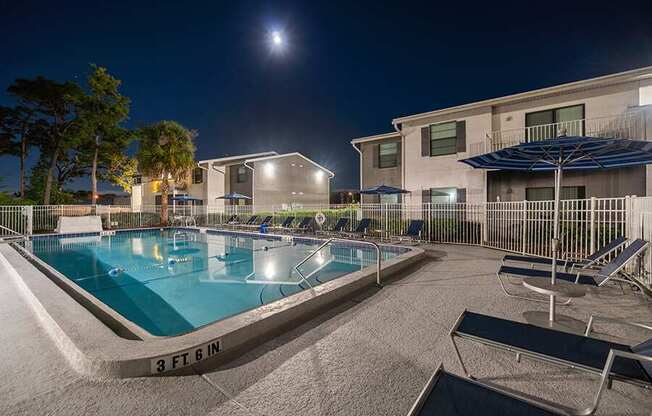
[[330, 240]]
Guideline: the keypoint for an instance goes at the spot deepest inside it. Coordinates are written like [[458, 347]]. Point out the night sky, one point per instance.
[[348, 67]]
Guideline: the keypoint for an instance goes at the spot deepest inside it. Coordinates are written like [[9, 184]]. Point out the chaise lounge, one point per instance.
[[606, 273], [611, 361]]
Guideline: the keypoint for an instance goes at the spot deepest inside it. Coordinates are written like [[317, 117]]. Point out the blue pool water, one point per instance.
[[170, 281]]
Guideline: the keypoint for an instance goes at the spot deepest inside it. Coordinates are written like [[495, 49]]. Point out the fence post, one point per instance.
[[592, 240], [485, 217], [524, 230], [108, 215], [28, 211]]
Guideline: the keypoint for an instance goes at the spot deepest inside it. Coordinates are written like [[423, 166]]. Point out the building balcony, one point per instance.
[[630, 125]]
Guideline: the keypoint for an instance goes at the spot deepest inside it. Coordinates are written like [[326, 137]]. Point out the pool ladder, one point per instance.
[[328, 242]]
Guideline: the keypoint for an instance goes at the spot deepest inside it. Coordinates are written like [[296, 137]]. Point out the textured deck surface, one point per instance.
[[370, 356]]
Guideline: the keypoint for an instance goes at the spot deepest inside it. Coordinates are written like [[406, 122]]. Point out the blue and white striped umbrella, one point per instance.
[[559, 155], [567, 153]]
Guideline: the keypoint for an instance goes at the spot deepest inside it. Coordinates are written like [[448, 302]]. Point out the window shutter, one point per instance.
[[461, 194], [376, 154], [460, 132], [425, 141], [425, 196], [398, 153]]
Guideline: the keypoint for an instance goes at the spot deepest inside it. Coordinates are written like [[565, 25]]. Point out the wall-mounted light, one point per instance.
[[269, 169], [319, 176]]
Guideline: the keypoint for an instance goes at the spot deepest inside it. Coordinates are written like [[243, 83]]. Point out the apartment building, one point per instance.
[[422, 154], [267, 178]]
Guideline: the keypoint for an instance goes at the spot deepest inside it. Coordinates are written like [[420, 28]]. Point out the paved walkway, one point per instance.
[[370, 356]]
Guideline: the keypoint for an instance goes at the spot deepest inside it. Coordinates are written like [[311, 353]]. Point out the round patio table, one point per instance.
[[559, 289]]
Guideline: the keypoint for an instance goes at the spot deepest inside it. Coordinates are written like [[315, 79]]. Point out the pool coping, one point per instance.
[[94, 349]]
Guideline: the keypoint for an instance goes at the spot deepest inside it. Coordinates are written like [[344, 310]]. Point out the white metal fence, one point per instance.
[[524, 226]]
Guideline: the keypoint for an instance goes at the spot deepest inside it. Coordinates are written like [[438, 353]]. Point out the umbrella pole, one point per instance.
[[555, 238]]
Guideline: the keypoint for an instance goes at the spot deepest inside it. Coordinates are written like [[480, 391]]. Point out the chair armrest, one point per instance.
[[593, 318]]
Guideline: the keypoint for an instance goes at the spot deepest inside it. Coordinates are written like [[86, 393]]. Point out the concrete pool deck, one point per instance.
[[368, 356]]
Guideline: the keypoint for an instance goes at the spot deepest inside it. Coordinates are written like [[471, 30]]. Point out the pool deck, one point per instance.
[[369, 356]]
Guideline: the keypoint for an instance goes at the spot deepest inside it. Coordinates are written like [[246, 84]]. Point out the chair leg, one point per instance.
[[459, 358], [513, 295]]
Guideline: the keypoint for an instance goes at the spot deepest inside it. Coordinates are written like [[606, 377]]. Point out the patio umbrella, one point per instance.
[[383, 190], [185, 198], [233, 195], [182, 198], [562, 154]]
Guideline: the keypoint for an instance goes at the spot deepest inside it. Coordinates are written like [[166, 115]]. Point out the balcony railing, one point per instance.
[[630, 125]]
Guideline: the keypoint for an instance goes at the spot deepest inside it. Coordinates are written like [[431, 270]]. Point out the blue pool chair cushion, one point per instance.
[[568, 277], [452, 395], [586, 351]]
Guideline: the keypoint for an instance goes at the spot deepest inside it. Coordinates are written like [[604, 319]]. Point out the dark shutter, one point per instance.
[[425, 196], [376, 154], [425, 141], [461, 194], [398, 153], [460, 132]]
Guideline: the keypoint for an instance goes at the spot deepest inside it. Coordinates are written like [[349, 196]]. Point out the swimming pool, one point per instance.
[[173, 281]]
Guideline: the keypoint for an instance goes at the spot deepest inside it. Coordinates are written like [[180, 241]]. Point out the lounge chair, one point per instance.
[[413, 232], [585, 263], [305, 225], [339, 227], [266, 221], [610, 360], [285, 225], [449, 395], [361, 230], [606, 273], [233, 219]]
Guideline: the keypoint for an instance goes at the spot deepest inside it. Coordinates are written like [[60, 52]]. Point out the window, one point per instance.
[[389, 199], [548, 193], [242, 174], [388, 155], [443, 195], [198, 175], [443, 139], [548, 124]]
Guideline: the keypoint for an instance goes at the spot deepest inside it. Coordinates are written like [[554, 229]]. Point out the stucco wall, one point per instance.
[[511, 186], [422, 173], [286, 184], [445, 171]]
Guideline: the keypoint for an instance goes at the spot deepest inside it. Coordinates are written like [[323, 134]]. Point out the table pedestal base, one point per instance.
[[561, 323]]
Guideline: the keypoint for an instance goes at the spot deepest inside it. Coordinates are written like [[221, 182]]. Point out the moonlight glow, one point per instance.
[[277, 41]]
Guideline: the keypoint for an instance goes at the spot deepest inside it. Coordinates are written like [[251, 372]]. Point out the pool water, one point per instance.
[[173, 281]]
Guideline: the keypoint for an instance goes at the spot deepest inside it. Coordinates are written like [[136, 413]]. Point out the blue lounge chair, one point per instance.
[[606, 273], [587, 262], [361, 230], [446, 394], [610, 360], [305, 225], [339, 226], [285, 225], [413, 232]]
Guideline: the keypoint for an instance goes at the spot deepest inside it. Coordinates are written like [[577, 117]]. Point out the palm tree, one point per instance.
[[165, 152]]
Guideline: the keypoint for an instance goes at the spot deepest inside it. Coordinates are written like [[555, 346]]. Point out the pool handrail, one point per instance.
[[329, 241]]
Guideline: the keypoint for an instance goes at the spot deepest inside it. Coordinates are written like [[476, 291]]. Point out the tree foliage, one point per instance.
[[166, 151]]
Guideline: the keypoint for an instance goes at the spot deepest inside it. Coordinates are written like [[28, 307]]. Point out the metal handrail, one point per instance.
[[330, 240]]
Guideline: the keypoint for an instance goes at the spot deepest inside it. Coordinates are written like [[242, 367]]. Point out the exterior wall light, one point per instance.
[[269, 169], [319, 176]]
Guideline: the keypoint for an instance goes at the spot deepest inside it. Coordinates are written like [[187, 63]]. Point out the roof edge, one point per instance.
[[277, 156]]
